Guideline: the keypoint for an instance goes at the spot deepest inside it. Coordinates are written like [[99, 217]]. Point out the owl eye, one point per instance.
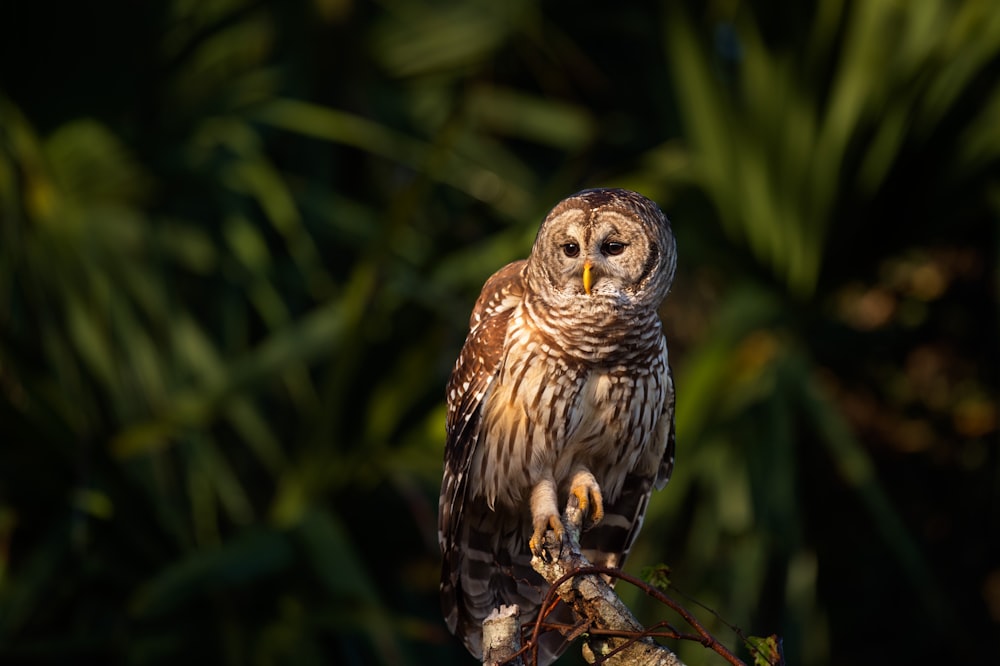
[[612, 248], [571, 249]]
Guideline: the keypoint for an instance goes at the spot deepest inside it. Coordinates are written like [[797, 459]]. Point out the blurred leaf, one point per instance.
[[91, 164], [216, 57], [330, 551], [189, 246], [544, 121], [774, 162], [310, 337], [340, 127], [856, 467], [414, 40], [253, 554], [21, 597]]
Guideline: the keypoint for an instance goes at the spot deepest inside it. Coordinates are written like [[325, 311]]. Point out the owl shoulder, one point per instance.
[[502, 291]]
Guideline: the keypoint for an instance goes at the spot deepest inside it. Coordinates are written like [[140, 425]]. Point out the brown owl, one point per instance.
[[562, 388]]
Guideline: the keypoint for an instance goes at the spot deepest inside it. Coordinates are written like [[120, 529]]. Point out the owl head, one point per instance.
[[601, 246]]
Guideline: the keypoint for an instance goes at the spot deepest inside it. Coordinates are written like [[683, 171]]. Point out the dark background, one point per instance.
[[240, 241]]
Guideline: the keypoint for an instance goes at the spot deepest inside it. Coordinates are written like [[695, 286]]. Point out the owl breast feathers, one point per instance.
[[562, 388]]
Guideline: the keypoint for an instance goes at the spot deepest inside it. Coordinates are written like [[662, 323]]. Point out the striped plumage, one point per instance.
[[563, 386]]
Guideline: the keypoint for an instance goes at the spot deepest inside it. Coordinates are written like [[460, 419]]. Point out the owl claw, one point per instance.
[[537, 541], [589, 499]]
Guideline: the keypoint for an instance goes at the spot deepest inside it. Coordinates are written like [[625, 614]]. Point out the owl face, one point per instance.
[[601, 245]]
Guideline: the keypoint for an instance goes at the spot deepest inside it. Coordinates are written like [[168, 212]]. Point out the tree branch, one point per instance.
[[502, 637], [613, 635], [619, 640]]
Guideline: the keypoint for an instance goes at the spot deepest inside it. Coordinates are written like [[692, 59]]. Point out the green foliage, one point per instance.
[[239, 243], [766, 651], [658, 576]]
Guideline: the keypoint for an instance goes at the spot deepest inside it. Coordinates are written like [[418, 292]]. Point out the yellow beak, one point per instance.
[[587, 280]]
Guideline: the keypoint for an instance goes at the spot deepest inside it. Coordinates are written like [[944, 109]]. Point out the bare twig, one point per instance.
[[703, 636]]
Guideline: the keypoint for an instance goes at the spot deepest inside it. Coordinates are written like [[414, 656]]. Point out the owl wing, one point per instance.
[[475, 370], [667, 464]]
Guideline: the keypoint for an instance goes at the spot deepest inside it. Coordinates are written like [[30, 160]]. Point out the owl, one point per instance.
[[563, 387]]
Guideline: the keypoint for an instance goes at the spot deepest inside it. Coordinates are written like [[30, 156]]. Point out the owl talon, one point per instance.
[[537, 541], [589, 499]]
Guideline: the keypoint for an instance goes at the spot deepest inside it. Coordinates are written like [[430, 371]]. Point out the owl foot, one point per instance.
[[589, 500], [544, 516], [537, 541]]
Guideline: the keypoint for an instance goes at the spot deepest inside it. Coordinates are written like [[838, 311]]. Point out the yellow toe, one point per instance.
[[553, 523], [590, 501]]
